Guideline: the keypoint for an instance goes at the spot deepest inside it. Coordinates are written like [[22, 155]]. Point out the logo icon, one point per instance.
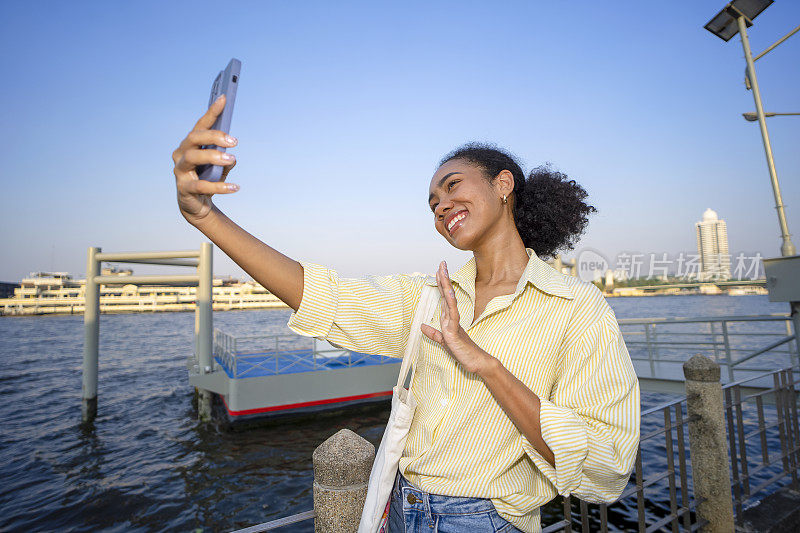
[[591, 265]]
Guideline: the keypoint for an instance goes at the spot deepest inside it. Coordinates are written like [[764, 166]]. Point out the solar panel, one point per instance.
[[724, 24]]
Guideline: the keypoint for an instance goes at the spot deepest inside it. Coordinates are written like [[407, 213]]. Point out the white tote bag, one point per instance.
[[381, 480]]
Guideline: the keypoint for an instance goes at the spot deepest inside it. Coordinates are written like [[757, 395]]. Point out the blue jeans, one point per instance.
[[415, 511]]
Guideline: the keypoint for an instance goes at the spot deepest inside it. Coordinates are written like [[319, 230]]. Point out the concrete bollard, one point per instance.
[[342, 465], [708, 445]]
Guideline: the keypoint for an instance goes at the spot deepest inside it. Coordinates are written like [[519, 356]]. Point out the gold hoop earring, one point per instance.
[[505, 201]]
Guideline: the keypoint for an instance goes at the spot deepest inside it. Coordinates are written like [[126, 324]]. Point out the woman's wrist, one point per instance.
[[209, 218], [487, 365]]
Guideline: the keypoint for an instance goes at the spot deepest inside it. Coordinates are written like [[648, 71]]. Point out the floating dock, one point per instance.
[[295, 376]]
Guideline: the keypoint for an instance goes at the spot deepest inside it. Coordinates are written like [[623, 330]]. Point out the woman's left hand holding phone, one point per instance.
[[279, 274]]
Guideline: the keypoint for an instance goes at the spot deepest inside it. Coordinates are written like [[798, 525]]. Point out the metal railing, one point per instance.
[[279, 523], [663, 436], [729, 340], [668, 470], [668, 420], [244, 356], [754, 468]]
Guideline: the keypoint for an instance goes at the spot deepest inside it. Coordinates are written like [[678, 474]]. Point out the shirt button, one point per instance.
[[443, 401], [411, 499]]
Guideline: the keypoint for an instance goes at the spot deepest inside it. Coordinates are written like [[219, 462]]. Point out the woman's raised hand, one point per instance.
[[194, 194], [452, 336]]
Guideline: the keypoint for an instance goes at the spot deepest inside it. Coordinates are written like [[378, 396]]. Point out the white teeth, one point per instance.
[[456, 219]]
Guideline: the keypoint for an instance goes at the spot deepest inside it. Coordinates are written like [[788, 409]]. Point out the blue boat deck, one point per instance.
[[293, 361]]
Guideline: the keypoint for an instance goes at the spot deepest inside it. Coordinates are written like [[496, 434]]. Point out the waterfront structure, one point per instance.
[[58, 293], [273, 377], [712, 247], [730, 288]]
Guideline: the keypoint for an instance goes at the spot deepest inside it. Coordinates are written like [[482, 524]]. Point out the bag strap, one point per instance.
[[428, 301]]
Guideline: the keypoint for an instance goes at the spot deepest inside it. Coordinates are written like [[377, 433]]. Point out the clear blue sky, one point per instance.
[[345, 108]]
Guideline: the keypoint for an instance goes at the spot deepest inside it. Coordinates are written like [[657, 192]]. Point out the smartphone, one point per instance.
[[225, 83]]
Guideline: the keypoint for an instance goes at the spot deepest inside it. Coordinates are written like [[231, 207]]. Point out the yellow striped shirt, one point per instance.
[[555, 333]]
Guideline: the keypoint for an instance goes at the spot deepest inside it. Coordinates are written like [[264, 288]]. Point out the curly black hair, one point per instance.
[[549, 208]]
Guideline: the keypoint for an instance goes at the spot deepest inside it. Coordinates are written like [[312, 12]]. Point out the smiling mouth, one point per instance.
[[456, 222]]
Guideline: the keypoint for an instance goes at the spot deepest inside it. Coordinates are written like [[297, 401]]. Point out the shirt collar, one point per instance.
[[537, 272]]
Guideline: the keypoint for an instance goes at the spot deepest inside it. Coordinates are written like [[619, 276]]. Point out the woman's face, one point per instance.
[[464, 203]]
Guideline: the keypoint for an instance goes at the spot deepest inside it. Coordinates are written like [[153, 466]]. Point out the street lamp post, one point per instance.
[[782, 273], [734, 19], [787, 247]]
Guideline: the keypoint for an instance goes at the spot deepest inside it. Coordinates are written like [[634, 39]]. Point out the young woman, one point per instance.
[[525, 386]]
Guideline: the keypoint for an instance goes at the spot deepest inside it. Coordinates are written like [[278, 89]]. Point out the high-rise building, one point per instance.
[[712, 247]]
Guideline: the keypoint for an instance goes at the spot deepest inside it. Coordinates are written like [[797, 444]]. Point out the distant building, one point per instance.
[[113, 270], [609, 279], [47, 281], [57, 292], [565, 266], [712, 247]]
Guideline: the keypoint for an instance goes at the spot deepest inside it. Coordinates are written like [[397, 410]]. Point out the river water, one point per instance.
[[146, 464]]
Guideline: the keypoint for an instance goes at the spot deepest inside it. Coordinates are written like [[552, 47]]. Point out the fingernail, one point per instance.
[[231, 140], [218, 97], [232, 187], [227, 157]]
